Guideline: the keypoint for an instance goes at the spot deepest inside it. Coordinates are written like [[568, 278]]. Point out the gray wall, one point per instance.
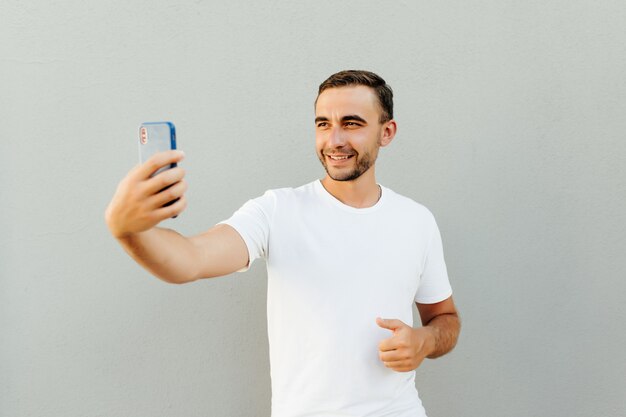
[[511, 130]]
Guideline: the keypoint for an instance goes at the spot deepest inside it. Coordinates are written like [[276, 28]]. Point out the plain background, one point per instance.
[[511, 130]]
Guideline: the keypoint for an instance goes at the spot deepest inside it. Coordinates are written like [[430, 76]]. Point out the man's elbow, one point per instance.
[[177, 279]]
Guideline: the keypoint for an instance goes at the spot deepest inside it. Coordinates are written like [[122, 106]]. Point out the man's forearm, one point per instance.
[[163, 252], [445, 330]]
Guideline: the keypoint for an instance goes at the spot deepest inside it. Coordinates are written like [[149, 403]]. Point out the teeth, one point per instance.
[[339, 157]]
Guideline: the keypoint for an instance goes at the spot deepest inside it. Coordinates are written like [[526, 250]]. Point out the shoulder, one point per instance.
[[292, 193], [286, 195], [407, 205]]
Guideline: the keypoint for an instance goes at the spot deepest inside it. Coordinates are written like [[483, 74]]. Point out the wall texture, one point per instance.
[[511, 130]]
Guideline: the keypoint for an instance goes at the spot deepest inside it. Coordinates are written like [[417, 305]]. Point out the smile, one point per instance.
[[339, 157]]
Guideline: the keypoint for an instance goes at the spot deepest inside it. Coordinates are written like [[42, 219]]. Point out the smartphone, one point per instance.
[[157, 137]]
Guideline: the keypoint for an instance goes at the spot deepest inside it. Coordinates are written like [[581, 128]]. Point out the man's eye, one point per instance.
[[352, 124], [322, 124]]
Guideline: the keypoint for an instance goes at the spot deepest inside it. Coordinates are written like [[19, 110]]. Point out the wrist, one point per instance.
[[117, 232]]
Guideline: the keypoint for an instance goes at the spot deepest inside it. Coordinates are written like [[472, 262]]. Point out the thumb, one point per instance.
[[391, 324]]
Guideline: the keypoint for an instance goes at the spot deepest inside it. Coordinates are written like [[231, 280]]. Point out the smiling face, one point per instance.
[[348, 131]]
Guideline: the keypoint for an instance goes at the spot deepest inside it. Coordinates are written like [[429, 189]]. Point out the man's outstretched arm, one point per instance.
[[138, 206]]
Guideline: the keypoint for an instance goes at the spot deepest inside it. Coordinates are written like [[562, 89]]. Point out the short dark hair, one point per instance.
[[369, 79]]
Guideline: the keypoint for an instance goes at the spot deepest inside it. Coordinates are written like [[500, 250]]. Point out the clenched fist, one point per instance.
[[140, 199]]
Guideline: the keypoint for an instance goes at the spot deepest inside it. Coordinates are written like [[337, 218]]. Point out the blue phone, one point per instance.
[[157, 137]]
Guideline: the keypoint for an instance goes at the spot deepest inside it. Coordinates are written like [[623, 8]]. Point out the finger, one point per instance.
[[170, 211], [387, 345], [156, 162], [168, 194], [163, 180], [391, 324], [400, 366], [393, 356]]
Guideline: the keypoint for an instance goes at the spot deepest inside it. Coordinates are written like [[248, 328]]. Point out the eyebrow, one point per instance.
[[343, 119]]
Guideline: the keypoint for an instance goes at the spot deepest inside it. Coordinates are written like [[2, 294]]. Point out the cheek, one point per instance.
[[320, 140], [359, 142]]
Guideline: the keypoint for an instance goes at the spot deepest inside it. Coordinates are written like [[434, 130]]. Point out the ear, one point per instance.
[[389, 132]]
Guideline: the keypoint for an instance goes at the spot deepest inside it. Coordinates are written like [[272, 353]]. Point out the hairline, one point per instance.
[[381, 119]]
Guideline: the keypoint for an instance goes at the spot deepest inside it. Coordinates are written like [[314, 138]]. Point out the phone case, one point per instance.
[[156, 137]]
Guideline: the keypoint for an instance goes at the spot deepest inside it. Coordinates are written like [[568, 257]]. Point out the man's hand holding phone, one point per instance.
[[140, 199]]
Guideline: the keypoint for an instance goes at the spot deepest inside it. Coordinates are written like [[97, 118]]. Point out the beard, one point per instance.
[[360, 165]]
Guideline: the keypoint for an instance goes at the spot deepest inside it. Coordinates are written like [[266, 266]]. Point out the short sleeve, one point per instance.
[[252, 221], [434, 283]]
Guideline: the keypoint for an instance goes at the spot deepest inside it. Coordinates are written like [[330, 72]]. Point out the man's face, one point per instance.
[[347, 131]]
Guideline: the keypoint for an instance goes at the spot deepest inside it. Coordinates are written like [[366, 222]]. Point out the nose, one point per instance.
[[336, 138]]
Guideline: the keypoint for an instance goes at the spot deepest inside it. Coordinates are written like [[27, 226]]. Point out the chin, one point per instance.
[[343, 176]]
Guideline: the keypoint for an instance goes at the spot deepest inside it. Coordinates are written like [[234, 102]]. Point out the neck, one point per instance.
[[360, 193]]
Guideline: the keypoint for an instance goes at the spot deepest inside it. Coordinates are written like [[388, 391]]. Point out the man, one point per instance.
[[346, 259]]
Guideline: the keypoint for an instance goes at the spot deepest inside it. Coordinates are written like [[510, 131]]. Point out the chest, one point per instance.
[[375, 257]]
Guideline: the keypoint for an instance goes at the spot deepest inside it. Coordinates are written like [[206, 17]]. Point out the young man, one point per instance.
[[346, 259]]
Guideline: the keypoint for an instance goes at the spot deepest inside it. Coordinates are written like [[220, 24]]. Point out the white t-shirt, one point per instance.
[[332, 269]]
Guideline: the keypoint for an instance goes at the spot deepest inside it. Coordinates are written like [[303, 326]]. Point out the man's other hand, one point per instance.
[[405, 350], [138, 202]]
